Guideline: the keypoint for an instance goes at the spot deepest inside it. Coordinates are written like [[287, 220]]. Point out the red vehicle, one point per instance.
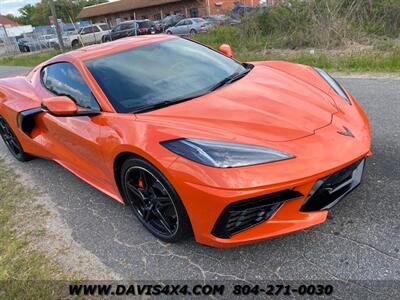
[[193, 140]]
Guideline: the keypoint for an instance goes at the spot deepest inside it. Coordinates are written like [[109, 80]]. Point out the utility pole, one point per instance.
[[58, 29]]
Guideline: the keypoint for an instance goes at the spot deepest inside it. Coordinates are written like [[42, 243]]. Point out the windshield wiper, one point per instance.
[[232, 78], [235, 76], [165, 103]]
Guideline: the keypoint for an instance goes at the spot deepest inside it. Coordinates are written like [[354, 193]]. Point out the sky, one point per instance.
[[11, 6]]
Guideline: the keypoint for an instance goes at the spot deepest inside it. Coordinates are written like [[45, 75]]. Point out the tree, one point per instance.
[[39, 13]]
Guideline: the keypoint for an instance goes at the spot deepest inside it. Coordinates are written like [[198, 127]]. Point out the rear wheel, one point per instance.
[[169, 32], [193, 31], [154, 201], [11, 141]]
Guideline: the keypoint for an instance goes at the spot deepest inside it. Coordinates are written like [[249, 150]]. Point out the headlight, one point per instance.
[[334, 84], [223, 154]]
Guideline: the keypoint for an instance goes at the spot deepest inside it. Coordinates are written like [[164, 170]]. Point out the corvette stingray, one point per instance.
[[194, 141]]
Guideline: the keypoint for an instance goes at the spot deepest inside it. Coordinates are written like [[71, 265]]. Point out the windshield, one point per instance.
[[160, 72], [144, 24]]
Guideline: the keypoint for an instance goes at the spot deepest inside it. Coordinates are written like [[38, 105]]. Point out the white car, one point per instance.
[[47, 40], [70, 40], [94, 34]]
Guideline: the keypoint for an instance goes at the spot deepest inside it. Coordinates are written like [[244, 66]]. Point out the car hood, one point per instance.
[[266, 104]]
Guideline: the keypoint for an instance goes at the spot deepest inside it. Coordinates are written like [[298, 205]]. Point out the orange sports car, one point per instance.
[[193, 140]]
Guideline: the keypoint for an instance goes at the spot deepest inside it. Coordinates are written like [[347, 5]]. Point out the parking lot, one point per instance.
[[359, 242]]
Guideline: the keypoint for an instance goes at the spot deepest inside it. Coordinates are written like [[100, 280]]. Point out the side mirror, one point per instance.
[[226, 50], [60, 106]]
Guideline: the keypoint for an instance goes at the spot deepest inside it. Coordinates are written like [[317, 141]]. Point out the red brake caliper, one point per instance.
[[140, 184]]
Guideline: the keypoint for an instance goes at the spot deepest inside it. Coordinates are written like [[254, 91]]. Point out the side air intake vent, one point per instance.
[[244, 214]]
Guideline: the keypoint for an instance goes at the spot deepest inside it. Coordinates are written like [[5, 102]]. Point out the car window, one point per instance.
[[117, 28], [64, 79], [189, 22], [86, 30], [180, 23], [126, 26], [96, 29], [160, 72], [104, 27]]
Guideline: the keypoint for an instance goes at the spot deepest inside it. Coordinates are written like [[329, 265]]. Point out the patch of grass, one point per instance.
[[28, 60], [23, 270], [384, 57], [374, 60], [353, 62]]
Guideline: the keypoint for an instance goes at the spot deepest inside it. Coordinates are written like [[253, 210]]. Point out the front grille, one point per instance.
[[244, 214], [330, 190]]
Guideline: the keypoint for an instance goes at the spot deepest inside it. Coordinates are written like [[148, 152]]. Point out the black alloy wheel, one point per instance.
[[12, 143], [154, 201]]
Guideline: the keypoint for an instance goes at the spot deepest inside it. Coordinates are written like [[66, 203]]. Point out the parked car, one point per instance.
[[29, 45], [189, 26], [216, 20], [145, 27], [157, 26], [170, 21], [124, 29], [240, 11], [47, 40], [93, 34], [70, 40]]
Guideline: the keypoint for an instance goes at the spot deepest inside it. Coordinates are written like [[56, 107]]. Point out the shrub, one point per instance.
[[313, 23]]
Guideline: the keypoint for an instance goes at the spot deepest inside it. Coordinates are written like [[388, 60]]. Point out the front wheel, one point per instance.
[[154, 201], [169, 32], [12, 142], [193, 32], [75, 44]]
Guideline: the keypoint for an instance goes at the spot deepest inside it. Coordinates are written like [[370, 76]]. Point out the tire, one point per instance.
[[27, 49], [12, 142], [192, 32], [169, 32], [144, 186], [75, 44]]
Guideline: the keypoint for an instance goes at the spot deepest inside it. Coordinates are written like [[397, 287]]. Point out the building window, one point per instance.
[[194, 12], [157, 17]]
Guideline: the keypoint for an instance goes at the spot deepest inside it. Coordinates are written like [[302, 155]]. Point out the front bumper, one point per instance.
[[302, 210], [318, 157]]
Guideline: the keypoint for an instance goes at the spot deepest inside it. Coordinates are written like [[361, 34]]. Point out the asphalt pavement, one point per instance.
[[360, 240]]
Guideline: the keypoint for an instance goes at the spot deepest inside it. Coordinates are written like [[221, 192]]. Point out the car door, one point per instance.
[[96, 34], [115, 32], [74, 140], [179, 28], [85, 35], [126, 29], [188, 27], [90, 36]]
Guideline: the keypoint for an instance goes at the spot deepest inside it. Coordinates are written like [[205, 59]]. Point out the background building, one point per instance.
[[6, 22], [123, 10]]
